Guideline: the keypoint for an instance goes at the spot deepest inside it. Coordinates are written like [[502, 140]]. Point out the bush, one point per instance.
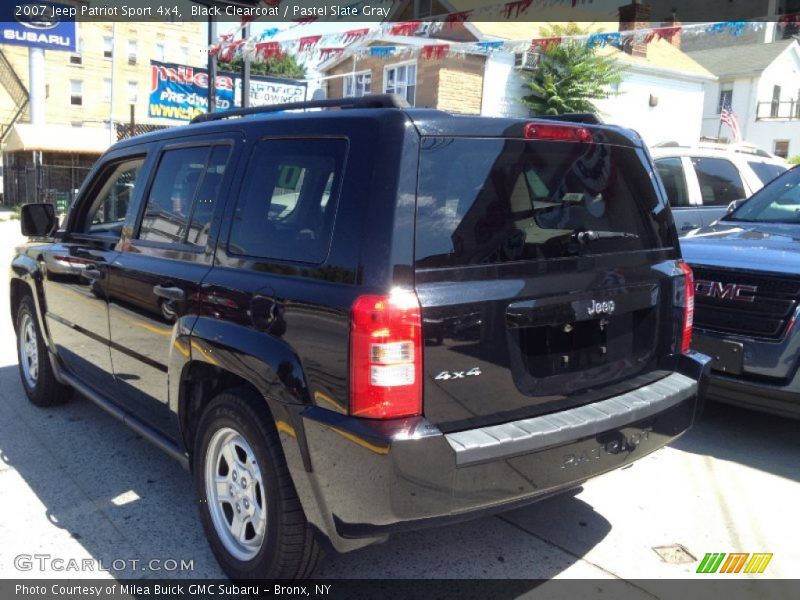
[[794, 160]]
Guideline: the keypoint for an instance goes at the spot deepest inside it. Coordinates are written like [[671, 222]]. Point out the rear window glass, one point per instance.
[[497, 201], [766, 172]]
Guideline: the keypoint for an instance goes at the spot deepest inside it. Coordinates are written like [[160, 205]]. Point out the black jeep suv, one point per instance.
[[359, 320]]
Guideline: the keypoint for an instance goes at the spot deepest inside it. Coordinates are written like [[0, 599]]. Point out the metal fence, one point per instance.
[[57, 184], [126, 130], [53, 176]]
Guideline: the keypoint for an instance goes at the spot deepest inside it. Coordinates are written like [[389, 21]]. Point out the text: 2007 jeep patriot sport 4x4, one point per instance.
[[353, 322]]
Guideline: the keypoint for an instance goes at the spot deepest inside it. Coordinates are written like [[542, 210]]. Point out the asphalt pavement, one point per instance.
[[81, 489]]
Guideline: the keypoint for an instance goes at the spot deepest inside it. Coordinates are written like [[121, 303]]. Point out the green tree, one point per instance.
[[284, 66], [569, 75]]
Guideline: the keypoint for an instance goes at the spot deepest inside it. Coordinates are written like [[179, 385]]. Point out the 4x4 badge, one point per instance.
[[601, 308], [445, 375]]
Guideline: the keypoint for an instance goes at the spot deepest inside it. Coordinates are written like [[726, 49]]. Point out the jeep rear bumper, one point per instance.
[[373, 478]]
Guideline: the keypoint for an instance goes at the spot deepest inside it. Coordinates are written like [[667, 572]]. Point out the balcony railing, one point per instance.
[[783, 111]]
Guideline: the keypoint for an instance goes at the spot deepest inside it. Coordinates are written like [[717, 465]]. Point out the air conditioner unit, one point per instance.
[[526, 61]]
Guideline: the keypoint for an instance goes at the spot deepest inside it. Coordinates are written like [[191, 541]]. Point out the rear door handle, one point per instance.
[[174, 294], [93, 274]]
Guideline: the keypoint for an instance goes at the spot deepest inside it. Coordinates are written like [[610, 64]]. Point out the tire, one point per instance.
[[237, 422], [35, 370]]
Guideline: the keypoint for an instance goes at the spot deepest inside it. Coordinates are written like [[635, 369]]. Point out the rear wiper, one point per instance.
[[584, 237]]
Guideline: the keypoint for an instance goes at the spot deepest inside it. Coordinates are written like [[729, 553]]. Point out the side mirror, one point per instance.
[[38, 220], [735, 204]]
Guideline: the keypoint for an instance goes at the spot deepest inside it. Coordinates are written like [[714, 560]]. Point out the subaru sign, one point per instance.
[[39, 25]]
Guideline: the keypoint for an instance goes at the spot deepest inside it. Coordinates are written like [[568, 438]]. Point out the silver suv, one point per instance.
[[702, 180]]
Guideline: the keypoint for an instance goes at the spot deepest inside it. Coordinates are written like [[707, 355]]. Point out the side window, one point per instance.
[[106, 215], [766, 172], [674, 179], [182, 197], [288, 204], [207, 194], [720, 182]]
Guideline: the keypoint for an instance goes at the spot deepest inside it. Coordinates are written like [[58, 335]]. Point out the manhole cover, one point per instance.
[[675, 554]]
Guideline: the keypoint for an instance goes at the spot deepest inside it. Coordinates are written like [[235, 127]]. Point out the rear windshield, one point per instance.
[[485, 201], [766, 172]]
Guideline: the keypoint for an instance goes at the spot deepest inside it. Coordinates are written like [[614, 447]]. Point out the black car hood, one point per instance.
[[753, 246]]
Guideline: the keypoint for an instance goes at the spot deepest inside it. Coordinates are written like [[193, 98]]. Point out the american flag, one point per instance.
[[728, 117]]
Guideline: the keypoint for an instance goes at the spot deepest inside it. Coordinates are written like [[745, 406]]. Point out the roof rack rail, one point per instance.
[[370, 101], [585, 118]]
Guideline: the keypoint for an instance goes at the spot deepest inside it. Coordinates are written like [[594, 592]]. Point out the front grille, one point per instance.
[[767, 316]]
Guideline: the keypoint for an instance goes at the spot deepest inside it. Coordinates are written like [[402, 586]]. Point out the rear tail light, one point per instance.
[[688, 307], [386, 356], [560, 133]]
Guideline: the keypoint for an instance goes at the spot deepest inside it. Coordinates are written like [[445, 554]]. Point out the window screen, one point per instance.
[[288, 204]]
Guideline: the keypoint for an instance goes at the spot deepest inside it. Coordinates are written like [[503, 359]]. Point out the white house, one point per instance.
[[661, 95], [762, 84]]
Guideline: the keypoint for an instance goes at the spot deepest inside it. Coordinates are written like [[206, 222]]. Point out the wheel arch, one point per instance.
[[211, 366], [219, 355], [26, 280]]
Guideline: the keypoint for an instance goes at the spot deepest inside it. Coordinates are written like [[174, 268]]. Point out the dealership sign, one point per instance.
[[181, 93], [39, 25], [266, 90]]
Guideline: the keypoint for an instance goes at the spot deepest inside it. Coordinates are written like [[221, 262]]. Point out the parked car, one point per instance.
[[701, 181], [348, 323], [747, 281]]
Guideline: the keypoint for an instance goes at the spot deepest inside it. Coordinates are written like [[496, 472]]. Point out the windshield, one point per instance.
[[778, 202], [766, 172]]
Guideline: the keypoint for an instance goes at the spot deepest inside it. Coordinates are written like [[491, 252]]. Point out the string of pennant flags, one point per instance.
[[261, 48]]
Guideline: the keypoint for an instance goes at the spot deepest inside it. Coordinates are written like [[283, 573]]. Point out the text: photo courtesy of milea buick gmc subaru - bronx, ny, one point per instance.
[[343, 339]]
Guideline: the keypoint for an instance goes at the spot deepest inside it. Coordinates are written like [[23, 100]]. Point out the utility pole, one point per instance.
[[37, 97], [246, 71], [112, 135], [212, 66], [37, 85]]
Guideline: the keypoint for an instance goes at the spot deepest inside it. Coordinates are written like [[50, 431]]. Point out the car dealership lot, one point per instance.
[[76, 484]]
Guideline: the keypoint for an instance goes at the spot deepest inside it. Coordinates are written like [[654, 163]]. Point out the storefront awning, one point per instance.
[[57, 138]]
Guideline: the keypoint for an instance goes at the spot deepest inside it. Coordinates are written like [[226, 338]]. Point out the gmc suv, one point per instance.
[[352, 322], [748, 299]]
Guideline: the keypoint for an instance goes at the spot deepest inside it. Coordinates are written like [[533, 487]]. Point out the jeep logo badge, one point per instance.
[[601, 308]]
